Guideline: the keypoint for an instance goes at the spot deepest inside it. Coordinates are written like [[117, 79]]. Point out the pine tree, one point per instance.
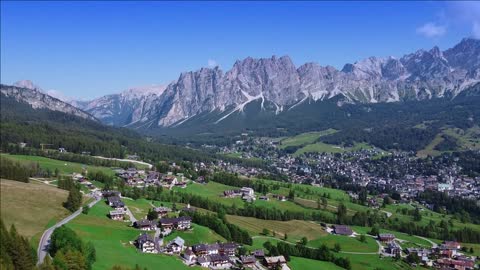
[[74, 199]]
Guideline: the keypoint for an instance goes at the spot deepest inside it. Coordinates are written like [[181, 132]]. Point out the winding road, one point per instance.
[[127, 160], [42, 250]]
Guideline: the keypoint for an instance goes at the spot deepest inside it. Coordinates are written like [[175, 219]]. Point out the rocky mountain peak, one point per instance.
[[276, 84], [27, 84]]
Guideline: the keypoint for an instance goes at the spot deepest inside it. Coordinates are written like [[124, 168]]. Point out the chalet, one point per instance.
[[145, 225], [228, 249], [248, 261], [146, 243], [180, 223], [220, 261], [232, 193], [176, 246], [162, 211], [206, 249], [214, 260], [386, 237], [115, 202], [189, 256], [117, 214], [111, 193], [451, 245], [282, 198], [458, 264], [204, 261], [247, 191], [259, 253], [274, 262], [342, 230], [393, 249]]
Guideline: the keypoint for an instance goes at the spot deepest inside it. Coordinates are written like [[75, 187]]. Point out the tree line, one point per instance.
[[69, 251], [321, 254], [15, 250], [220, 225]]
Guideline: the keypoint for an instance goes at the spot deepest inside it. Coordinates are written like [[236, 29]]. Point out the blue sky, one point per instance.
[[89, 49]]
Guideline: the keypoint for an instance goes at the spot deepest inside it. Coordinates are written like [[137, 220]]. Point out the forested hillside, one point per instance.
[[20, 123]]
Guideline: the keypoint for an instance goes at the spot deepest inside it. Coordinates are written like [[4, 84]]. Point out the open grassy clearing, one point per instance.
[[319, 147], [199, 234], [295, 229], [427, 216], [138, 207], [65, 167], [111, 240], [305, 138], [214, 191], [467, 139], [373, 262], [32, 207], [348, 244], [297, 263], [402, 236]]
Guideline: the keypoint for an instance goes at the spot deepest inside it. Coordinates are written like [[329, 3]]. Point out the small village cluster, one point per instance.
[[214, 256], [140, 178], [447, 255]]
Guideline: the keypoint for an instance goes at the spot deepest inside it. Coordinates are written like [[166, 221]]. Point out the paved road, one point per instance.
[[130, 214], [127, 160], [42, 250], [434, 245]]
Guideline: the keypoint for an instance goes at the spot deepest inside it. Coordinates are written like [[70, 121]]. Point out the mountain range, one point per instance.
[[277, 86]]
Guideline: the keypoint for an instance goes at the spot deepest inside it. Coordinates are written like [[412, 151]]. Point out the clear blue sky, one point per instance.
[[88, 49]]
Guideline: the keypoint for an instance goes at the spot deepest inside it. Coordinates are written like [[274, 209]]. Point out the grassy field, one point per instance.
[[65, 167], [32, 207], [468, 139], [374, 262], [112, 242], [305, 138], [297, 263], [138, 207], [199, 234], [319, 147], [348, 244], [214, 191], [295, 229]]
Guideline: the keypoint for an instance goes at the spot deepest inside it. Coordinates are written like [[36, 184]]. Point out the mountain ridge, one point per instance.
[[279, 85]]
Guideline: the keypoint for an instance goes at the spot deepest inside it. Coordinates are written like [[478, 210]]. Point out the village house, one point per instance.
[[180, 223], [457, 264], [176, 246], [205, 249], [228, 249], [342, 230], [274, 262], [214, 261], [386, 237], [248, 261], [259, 253], [146, 243], [145, 225], [189, 257], [116, 202], [393, 249], [162, 211], [117, 214]]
